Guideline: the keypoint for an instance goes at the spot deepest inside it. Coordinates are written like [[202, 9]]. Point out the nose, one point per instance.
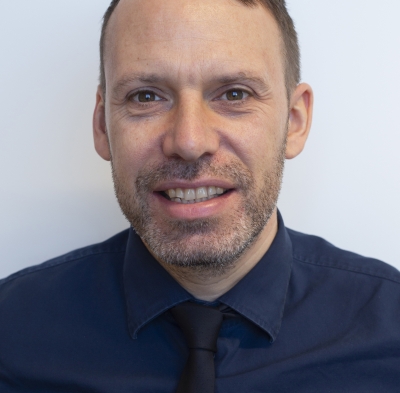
[[191, 134]]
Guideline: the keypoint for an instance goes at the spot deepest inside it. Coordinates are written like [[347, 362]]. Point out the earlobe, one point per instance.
[[300, 117], [100, 135]]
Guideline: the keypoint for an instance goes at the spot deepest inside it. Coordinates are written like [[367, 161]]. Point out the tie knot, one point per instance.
[[200, 325]]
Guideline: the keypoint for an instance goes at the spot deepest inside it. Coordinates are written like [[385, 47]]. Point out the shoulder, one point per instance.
[[321, 255], [69, 264], [53, 305], [328, 282]]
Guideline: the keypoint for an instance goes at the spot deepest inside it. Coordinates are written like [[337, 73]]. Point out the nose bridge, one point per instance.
[[190, 135]]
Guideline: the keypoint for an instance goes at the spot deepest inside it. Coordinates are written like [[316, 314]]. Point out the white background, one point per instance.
[[57, 195]]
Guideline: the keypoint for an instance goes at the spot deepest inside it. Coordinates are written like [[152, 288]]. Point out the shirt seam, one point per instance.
[[38, 268], [351, 269]]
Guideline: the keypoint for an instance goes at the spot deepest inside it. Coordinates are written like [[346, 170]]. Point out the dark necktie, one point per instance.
[[200, 325]]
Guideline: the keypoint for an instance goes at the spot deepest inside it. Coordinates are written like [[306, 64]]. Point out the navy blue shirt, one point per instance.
[[308, 318]]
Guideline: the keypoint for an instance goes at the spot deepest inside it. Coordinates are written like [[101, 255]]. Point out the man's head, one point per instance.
[[196, 103], [290, 47]]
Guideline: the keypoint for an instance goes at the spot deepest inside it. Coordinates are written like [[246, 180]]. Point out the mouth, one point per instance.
[[193, 195]]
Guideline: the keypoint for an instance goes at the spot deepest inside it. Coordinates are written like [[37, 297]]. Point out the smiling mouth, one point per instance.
[[193, 195]]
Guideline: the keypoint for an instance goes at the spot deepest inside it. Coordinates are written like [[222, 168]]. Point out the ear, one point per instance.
[[99, 127], [300, 116]]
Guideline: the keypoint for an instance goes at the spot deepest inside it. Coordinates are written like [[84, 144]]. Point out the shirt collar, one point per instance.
[[259, 296], [149, 289]]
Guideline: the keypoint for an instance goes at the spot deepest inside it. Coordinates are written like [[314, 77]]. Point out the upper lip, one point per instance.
[[172, 184]]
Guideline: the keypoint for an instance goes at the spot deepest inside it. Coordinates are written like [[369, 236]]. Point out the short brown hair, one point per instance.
[[282, 17]]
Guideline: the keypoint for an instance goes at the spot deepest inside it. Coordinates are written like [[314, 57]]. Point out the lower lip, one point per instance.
[[192, 211]]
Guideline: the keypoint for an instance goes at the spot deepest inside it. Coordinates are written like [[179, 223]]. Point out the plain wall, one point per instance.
[[57, 193]]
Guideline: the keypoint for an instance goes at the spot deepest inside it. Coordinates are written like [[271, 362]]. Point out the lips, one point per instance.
[[194, 195]]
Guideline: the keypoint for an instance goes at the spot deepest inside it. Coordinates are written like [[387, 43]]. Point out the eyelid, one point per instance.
[[245, 92], [131, 96]]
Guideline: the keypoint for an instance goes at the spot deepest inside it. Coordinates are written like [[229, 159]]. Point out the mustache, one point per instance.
[[234, 171]]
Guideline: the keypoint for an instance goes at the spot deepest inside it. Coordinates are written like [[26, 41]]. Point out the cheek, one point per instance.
[[133, 146], [258, 142]]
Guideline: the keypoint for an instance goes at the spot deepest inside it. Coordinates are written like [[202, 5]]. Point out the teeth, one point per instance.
[[191, 195], [172, 193], [201, 192], [179, 193]]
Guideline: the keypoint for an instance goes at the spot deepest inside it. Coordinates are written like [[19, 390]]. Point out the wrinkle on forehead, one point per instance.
[[179, 20], [141, 13], [167, 24], [190, 34]]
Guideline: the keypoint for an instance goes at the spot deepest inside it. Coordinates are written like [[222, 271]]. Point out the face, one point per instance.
[[194, 119]]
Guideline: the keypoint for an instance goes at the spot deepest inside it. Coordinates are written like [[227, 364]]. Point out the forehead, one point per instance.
[[193, 38]]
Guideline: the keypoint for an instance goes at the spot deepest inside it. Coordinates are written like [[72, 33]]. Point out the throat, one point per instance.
[[204, 284]]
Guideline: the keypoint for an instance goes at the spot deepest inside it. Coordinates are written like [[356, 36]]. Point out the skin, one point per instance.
[[198, 54]]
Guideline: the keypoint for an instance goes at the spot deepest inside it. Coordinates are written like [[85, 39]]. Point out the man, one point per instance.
[[198, 107]]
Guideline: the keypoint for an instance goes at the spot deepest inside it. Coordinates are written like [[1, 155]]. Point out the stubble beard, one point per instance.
[[208, 245]]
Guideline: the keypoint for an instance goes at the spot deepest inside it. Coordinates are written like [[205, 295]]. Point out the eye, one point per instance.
[[234, 95], [145, 96]]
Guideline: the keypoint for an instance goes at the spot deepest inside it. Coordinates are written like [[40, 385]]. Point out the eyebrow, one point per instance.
[[127, 80], [225, 79], [242, 77]]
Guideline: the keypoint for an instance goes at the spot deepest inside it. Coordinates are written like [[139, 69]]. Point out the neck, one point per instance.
[[207, 286]]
